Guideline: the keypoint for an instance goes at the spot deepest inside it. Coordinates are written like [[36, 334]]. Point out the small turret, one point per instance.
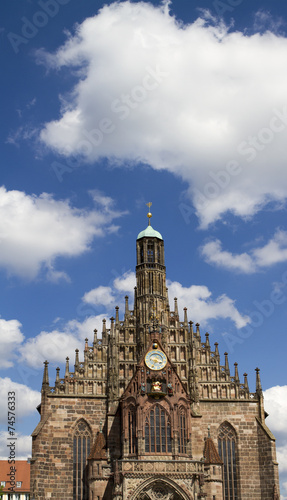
[[67, 371], [226, 366], [258, 382], [45, 383], [185, 316], [246, 387], [198, 332], [236, 375], [175, 307], [117, 315], [95, 337], [76, 358], [126, 307]]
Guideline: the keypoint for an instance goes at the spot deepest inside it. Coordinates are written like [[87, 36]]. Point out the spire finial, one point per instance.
[[149, 204]]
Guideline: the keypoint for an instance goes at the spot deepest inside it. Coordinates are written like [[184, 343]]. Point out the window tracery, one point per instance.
[[81, 451], [132, 431], [182, 431], [227, 453], [157, 431]]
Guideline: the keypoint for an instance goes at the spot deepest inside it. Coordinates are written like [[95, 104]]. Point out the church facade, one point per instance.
[[151, 412]]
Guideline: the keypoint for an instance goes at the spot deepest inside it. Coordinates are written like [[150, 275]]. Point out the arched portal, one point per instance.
[[160, 489]]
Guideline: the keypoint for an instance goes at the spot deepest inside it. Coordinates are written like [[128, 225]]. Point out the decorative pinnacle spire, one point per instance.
[[149, 204], [236, 375], [258, 381], [45, 382], [226, 363], [67, 367]]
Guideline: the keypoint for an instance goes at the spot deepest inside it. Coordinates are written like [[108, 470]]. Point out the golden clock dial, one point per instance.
[[155, 359]]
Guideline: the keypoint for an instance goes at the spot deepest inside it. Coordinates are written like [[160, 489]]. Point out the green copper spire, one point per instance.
[[149, 232]]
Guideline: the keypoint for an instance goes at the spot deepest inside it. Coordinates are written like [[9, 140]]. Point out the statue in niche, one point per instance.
[[169, 389], [156, 386]]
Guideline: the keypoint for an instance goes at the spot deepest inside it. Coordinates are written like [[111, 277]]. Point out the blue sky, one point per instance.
[[107, 108]]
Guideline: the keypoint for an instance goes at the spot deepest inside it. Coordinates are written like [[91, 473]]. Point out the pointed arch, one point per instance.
[[227, 449], [182, 430], [81, 449], [157, 430], [158, 486], [132, 426]]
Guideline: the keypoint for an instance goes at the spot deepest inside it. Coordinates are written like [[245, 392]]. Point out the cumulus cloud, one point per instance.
[[56, 345], [203, 307], [11, 338], [275, 400], [111, 295], [276, 405], [274, 252], [26, 399], [126, 282], [197, 298], [35, 230], [204, 103], [102, 295]]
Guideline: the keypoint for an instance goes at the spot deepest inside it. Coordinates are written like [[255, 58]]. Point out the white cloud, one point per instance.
[[203, 307], [276, 405], [275, 402], [26, 399], [35, 230], [126, 282], [274, 252], [10, 338], [213, 253], [102, 295], [56, 345], [111, 295], [186, 98]]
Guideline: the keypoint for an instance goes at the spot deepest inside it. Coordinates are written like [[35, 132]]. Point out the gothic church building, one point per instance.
[[150, 412]]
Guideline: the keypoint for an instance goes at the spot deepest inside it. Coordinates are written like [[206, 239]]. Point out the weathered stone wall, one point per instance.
[[52, 468], [254, 446], [268, 465]]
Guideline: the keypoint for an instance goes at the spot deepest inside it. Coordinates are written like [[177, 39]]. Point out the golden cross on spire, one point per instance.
[[149, 204]]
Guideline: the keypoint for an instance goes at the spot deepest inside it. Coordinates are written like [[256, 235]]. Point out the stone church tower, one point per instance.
[[151, 413]]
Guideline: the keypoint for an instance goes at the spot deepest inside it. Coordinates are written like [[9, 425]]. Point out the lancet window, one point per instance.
[[157, 431], [150, 251], [81, 451], [132, 431], [182, 431], [227, 453]]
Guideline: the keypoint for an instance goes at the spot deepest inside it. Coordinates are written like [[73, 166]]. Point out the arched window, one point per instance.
[[182, 431], [132, 431], [157, 431], [227, 453], [81, 451], [150, 251]]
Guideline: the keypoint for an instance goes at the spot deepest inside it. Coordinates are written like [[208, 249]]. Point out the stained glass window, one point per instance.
[[81, 451], [132, 432], [227, 453], [157, 431], [182, 432]]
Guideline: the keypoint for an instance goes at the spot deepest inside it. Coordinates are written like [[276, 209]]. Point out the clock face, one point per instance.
[[155, 359]]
